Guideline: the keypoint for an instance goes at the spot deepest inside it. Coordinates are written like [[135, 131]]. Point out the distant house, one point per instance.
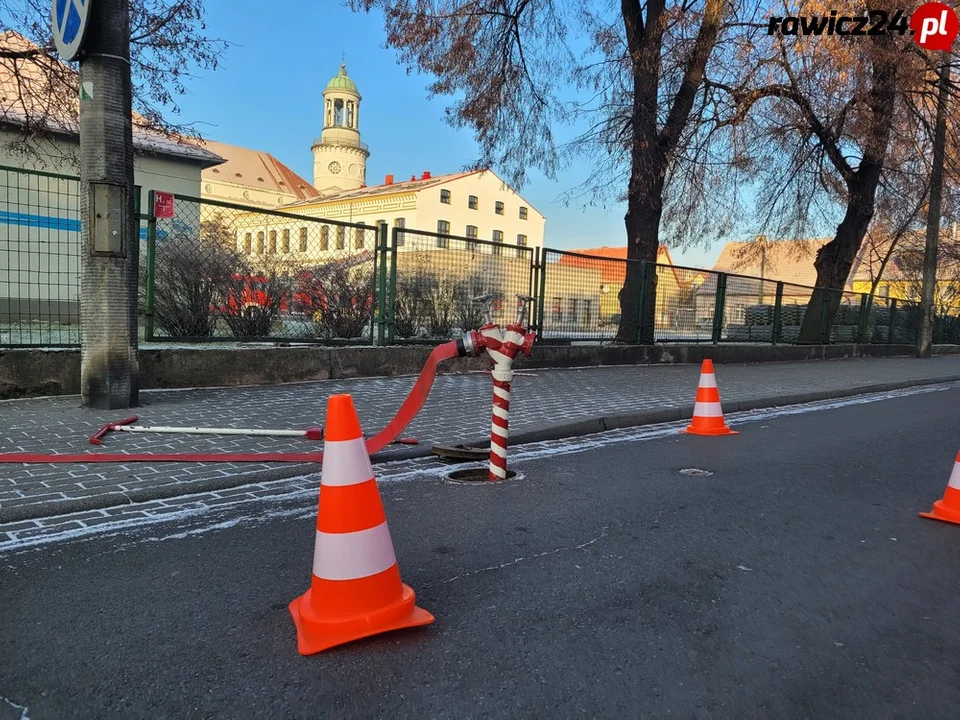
[[753, 271], [609, 267], [899, 273]]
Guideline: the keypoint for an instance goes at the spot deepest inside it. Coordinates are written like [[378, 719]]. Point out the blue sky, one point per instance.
[[267, 95]]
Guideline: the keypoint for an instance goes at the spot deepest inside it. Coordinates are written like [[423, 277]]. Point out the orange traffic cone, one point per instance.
[[356, 589], [707, 412], [948, 508]]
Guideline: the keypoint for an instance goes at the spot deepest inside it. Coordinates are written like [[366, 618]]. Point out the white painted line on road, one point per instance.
[[392, 473]]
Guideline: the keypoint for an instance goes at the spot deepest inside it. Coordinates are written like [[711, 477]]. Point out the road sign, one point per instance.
[[68, 20], [163, 204]]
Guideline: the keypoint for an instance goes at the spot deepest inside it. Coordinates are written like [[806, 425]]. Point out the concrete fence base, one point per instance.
[[30, 372]]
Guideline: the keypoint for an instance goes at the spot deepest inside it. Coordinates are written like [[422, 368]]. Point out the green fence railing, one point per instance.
[[217, 271]]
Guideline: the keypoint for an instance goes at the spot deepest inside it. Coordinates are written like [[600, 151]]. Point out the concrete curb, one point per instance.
[[555, 432], [31, 372]]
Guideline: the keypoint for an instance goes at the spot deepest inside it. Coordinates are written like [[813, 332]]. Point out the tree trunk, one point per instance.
[[644, 209], [833, 264]]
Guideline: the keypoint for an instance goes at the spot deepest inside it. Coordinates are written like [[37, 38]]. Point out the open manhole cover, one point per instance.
[[476, 475], [462, 453]]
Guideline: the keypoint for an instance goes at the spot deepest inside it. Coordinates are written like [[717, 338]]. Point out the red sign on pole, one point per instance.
[[163, 204]]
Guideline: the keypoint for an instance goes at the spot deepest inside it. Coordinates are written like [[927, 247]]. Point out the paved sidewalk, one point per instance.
[[544, 404]]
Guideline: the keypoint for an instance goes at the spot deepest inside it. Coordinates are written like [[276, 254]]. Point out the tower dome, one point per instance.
[[339, 157]]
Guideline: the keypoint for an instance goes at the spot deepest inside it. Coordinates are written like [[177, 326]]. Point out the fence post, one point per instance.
[[718, 307], [381, 286], [777, 330], [542, 293], [865, 302], [392, 286], [893, 315], [151, 270]]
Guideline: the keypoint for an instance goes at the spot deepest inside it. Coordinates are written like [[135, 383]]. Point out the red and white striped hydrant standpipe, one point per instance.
[[502, 347]]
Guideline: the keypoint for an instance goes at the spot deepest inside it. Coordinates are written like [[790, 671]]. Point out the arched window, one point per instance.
[[338, 113], [350, 113]]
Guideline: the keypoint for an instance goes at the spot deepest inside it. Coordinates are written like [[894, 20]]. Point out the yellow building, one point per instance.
[[899, 273]]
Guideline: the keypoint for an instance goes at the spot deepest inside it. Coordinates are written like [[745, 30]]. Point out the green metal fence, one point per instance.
[[217, 271], [429, 282], [39, 258]]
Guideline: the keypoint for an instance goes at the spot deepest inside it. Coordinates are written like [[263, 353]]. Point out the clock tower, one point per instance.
[[339, 158]]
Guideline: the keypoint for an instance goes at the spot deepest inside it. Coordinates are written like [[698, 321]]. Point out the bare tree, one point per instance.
[[39, 92], [841, 129], [511, 60]]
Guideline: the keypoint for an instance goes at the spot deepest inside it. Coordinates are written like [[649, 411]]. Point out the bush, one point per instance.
[[347, 304], [412, 305], [254, 303], [191, 282]]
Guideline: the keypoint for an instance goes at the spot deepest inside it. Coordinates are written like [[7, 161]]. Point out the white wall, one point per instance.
[[40, 224], [488, 189]]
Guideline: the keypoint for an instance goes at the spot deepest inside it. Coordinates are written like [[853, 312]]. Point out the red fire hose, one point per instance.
[[411, 406]]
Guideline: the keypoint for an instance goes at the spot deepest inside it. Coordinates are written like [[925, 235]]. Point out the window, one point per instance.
[[341, 237], [573, 311], [259, 243], [303, 239], [248, 243], [471, 231], [401, 236], [324, 237], [473, 202], [273, 242], [522, 242], [286, 241], [358, 238], [497, 237], [587, 312], [445, 197], [499, 208], [443, 227], [557, 309], [523, 213]]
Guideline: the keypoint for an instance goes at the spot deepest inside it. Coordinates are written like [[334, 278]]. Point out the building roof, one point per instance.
[[256, 170], [614, 273], [414, 184], [26, 85], [341, 81], [788, 261]]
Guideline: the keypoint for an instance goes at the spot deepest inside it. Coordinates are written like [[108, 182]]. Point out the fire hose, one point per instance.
[[462, 347]]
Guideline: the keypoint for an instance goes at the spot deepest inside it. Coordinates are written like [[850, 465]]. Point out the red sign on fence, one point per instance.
[[163, 204]]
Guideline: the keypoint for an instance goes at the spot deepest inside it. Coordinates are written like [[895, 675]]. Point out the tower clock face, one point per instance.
[[334, 168]]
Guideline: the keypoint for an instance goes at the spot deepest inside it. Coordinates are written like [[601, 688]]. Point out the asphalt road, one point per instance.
[[795, 581]]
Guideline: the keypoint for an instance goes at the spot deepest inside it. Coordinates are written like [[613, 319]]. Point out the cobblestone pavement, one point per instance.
[[457, 411], [296, 496]]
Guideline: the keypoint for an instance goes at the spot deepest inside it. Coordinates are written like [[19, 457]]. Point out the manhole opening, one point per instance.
[[475, 475]]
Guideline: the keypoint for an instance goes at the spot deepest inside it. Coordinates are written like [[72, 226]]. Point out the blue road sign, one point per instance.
[[68, 20]]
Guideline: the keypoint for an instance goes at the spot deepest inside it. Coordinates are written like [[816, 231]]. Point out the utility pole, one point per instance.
[[925, 344], [109, 373]]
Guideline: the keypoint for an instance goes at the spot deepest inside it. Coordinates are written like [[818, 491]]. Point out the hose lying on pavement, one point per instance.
[[411, 406]]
